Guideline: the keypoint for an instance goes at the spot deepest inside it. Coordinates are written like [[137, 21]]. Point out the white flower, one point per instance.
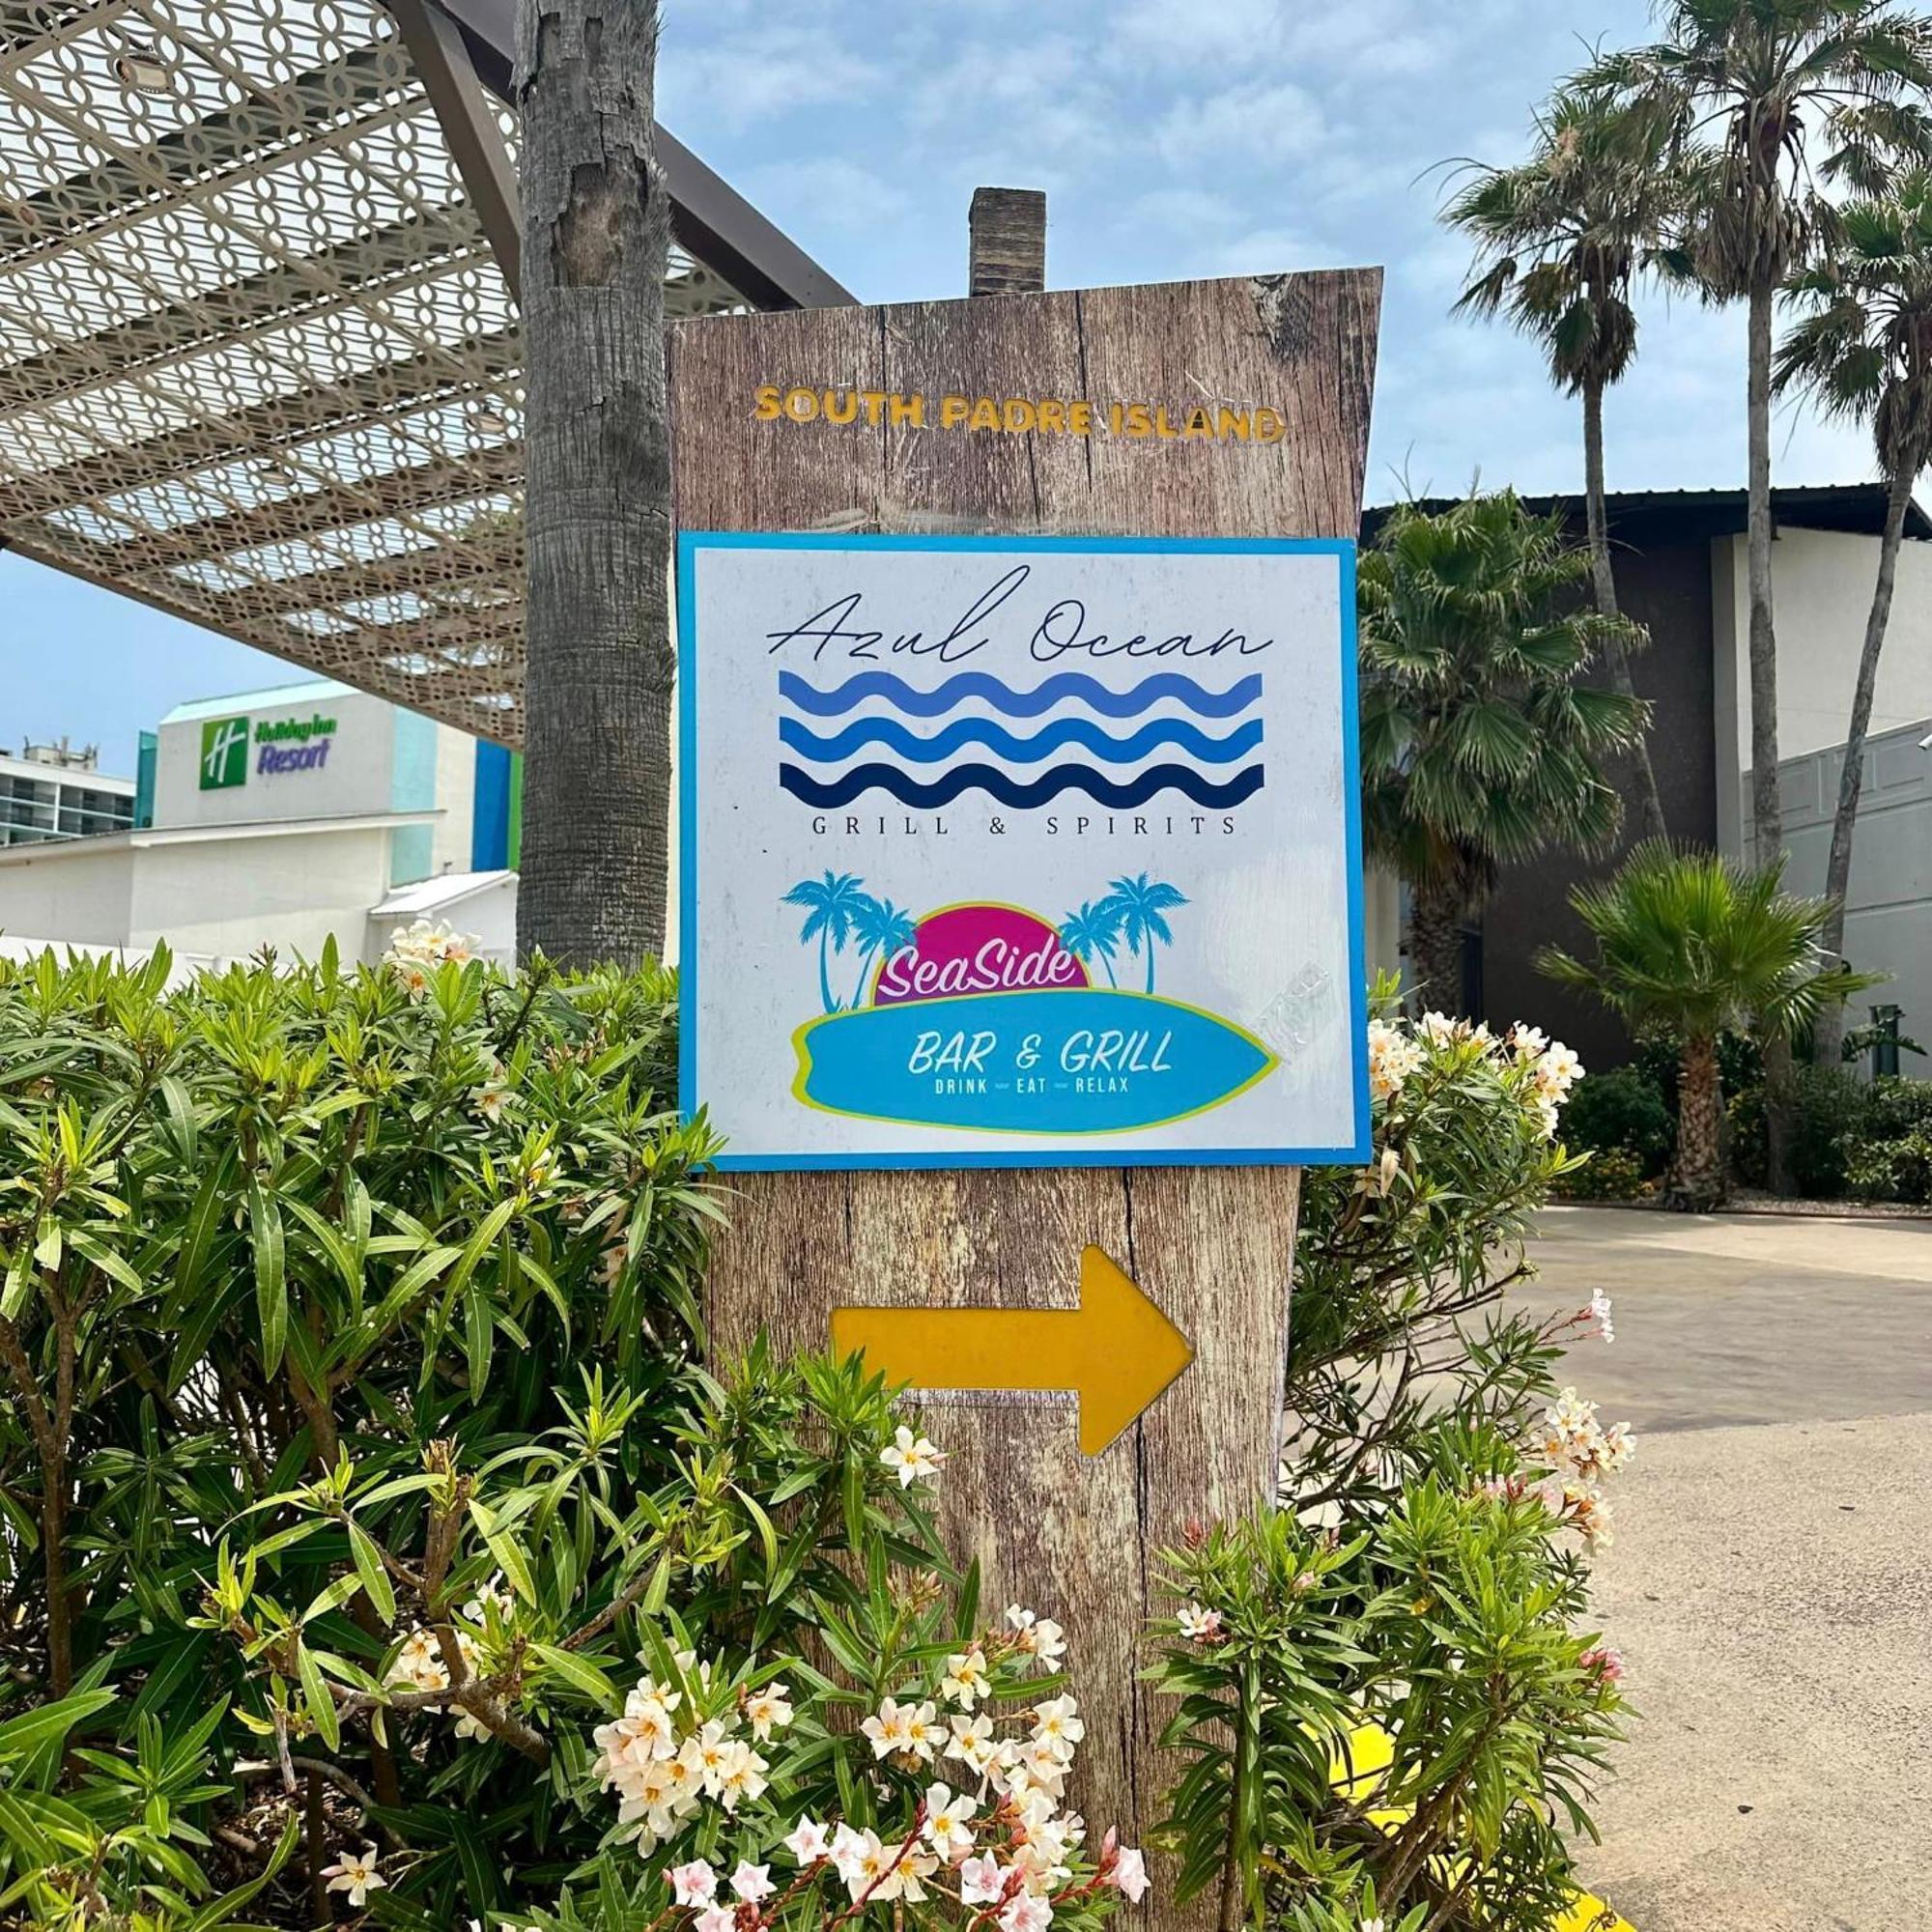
[[716, 1918], [849, 1852], [1527, 1041], [492, 1097], [965, 1681], [716, 1754], [1371, 1925], [903, 1727], [973, 1743], [809, 1843], [1599, 1310], [949, 1822], [419, 1662], [980, 1880], [1026, 1914], [1130, 1874], [356, 1874], [767, 1709], [752, 1883], [1392, 1058], [1198, 1625], [694, 1884], [744, 1776], [1376, 1180], [1038, 1637], [1057, 1727], [912, 1458]]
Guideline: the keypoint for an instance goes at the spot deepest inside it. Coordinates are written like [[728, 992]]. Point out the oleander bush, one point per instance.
[[1392, 1702], [379, 1545], [1851, 1138], [374, 1542]]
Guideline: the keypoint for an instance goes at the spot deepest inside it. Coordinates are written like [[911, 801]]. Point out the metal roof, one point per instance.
[[260, 362], [1651, 519]]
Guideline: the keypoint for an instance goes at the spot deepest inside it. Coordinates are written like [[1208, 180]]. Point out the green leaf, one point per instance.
[[271, 1288], [21, 1737], [579, 1673], [321, 1706], [505, 1550], [376, 1582]]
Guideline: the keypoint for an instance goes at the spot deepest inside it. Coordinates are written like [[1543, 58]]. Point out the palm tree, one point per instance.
[[1481, 745], [597, 689], [1741, 85], [1687, 943], [1560, 240], [881, 928], [833, 903], [1863, 349], [1137, 905], [1093, 932]]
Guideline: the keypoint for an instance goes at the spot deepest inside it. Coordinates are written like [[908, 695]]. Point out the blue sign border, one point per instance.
[[690, 544]]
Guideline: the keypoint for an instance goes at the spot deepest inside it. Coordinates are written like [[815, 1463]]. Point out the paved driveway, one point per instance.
[[1771, 1572]]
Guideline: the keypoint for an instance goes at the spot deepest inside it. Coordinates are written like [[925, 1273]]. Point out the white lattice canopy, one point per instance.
[[259, 352]]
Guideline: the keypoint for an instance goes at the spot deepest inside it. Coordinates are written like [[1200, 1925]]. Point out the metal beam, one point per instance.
[[198, 154], [476, 143], [422, 487], [391, 393], [709, 217], [354, 270]]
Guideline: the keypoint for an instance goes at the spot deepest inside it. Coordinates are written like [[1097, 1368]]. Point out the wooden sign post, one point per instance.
[[831, 421]]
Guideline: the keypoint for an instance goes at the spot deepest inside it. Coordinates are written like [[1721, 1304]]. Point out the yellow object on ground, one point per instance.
[[1370, 1752]]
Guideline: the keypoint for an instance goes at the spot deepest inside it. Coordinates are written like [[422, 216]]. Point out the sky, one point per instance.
[[1174, 140]]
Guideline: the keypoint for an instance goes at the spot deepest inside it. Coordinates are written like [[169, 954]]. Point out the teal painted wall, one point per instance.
[[412, 789]]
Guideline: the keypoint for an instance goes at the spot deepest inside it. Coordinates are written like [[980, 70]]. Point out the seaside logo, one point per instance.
[[224, 753]]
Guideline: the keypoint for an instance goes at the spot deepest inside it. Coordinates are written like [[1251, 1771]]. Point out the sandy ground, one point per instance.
[[1771, 1583]]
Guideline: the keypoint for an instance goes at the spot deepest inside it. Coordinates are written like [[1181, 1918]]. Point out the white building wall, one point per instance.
[[231, 896], [356, 780], [456, 799], [1821, 585], [69, 891]]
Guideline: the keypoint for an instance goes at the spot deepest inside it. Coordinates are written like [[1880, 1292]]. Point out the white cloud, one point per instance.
[[746, 79], [824, 191], [1256, 121], [1206, 33]]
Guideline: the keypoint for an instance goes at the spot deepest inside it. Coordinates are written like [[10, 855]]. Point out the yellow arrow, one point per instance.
[[1116, 1350]]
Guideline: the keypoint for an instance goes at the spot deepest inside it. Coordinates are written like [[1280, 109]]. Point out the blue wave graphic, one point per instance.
[[995, 738], [1014, 704], [830, 795]]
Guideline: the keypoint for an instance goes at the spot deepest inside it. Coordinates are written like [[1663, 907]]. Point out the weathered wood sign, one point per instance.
[[1111, 413]]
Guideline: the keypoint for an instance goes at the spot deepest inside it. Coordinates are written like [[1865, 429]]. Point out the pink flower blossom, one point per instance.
[[694, 1884]]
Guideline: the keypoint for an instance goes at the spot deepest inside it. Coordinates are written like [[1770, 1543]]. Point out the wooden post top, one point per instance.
[[1008, 226]]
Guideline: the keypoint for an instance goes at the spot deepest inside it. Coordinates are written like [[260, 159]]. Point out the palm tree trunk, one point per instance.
[[1649, 807], [597, 693], [1766, 805], [1435, 947], [864, 967], [1698, 1179], [1828, 1033], [824, 998]]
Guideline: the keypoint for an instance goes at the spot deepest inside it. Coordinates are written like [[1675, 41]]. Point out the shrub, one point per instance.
[[1625, 1112], [1425, 1575], [1827, 1103], [356, 1451], [1615, 1175]]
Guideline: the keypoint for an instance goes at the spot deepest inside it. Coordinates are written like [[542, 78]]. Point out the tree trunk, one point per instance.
[[1829, 1034], [1435, 947], [1697, 1176], [597, 694], [1649, 806], [1766, 805]]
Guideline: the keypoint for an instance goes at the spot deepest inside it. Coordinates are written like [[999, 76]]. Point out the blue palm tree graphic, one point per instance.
[[1093, 932], [881, 927], [1138, 904], [833, 903]]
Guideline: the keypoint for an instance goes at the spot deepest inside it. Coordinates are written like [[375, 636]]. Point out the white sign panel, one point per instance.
[[1021, 851]]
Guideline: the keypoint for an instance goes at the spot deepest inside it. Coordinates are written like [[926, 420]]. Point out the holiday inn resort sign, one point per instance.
[[1014, 851], [280, 745]]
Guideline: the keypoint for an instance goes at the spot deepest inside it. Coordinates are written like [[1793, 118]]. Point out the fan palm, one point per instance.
[[1560, 240], [1743, 85], [1863, 349], [1481, 747], [1687, 943]]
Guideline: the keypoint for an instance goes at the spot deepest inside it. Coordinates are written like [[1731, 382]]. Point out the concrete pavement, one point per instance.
[[1771, 1572]]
